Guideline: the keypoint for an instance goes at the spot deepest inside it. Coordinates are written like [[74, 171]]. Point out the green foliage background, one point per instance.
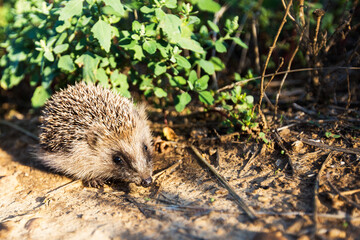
[[169, 50], [158, 46]]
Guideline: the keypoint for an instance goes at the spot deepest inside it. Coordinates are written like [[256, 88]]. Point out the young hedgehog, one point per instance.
[[93, 134]]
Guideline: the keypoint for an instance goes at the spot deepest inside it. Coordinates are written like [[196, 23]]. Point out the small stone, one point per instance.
[[337, 233], [303, 237], [297, 146], [169, 134], [295, 227]]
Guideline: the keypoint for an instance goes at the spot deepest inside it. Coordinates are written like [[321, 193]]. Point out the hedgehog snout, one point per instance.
[[146, 182]]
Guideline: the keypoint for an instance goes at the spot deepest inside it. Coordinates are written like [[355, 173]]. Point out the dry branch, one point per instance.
[[267, 62], [20, 129], [316, 191], [338, 149], [241, 83], [222, 180], [346, 199], [288, 70]]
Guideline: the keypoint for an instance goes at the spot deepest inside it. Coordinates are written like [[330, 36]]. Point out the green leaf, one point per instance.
[[136, 26], [40, 96], [202, 83], [218, 64], [171, 3], [213, 26], [63, 27], [263, 137], [249, 99], [127, 43], [182, 62], [10, 79], [89, 64], [145, 9], [220, 46], [139, 54], [207, 66], [206, 97], [182, 100], [49, 55], [194, 20], [177, 81], [102, 77], [239, 42], [47, 76], [102, 31], [190, 44], [66, 63], [120, 84], [116, 5], [160, 14], [72, 8], [61, 48], [150, 46], [209, 6], [192, 79], [160, 68], [331, 135], [61, 39], [171, 26], [160, 93]]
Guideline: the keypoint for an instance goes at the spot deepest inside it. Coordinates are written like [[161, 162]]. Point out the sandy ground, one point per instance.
[[186, 201]]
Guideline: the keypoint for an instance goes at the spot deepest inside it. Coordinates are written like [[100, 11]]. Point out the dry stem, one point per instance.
[[232, 192], [267, 62], [346, 199], [241, 83], [301, 13], [287, 72], [316, 191]]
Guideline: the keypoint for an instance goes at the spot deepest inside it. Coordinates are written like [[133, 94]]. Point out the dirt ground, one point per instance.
[[279, 182]]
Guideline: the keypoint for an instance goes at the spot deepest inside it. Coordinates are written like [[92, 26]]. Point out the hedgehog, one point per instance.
[[91, 133]]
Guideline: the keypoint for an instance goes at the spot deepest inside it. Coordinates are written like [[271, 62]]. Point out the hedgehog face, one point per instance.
[[127, 157], [133, 162]]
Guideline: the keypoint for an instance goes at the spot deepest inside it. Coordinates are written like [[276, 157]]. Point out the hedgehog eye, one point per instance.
[[118, 160], [145, 148]]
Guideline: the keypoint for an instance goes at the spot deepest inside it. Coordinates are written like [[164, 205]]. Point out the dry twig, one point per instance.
[[316, 191], [222, 180], [267, 62], [241, 83], [279, 141], [346, 199], [20, 129], [251, 159], [338, 149], [288, 69]]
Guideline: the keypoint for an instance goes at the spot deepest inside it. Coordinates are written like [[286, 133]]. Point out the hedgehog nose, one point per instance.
[[146, 182]]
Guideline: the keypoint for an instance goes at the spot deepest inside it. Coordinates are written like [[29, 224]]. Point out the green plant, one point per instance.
[[262, 136], [160, 47], [331, 135], [239, 108]]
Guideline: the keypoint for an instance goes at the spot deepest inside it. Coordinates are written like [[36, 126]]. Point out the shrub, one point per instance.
[[159, 47]]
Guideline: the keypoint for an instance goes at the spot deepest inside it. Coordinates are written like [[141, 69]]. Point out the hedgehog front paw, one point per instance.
[[95, 183]]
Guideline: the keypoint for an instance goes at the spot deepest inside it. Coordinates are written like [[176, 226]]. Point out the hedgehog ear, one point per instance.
[[141, 108]]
